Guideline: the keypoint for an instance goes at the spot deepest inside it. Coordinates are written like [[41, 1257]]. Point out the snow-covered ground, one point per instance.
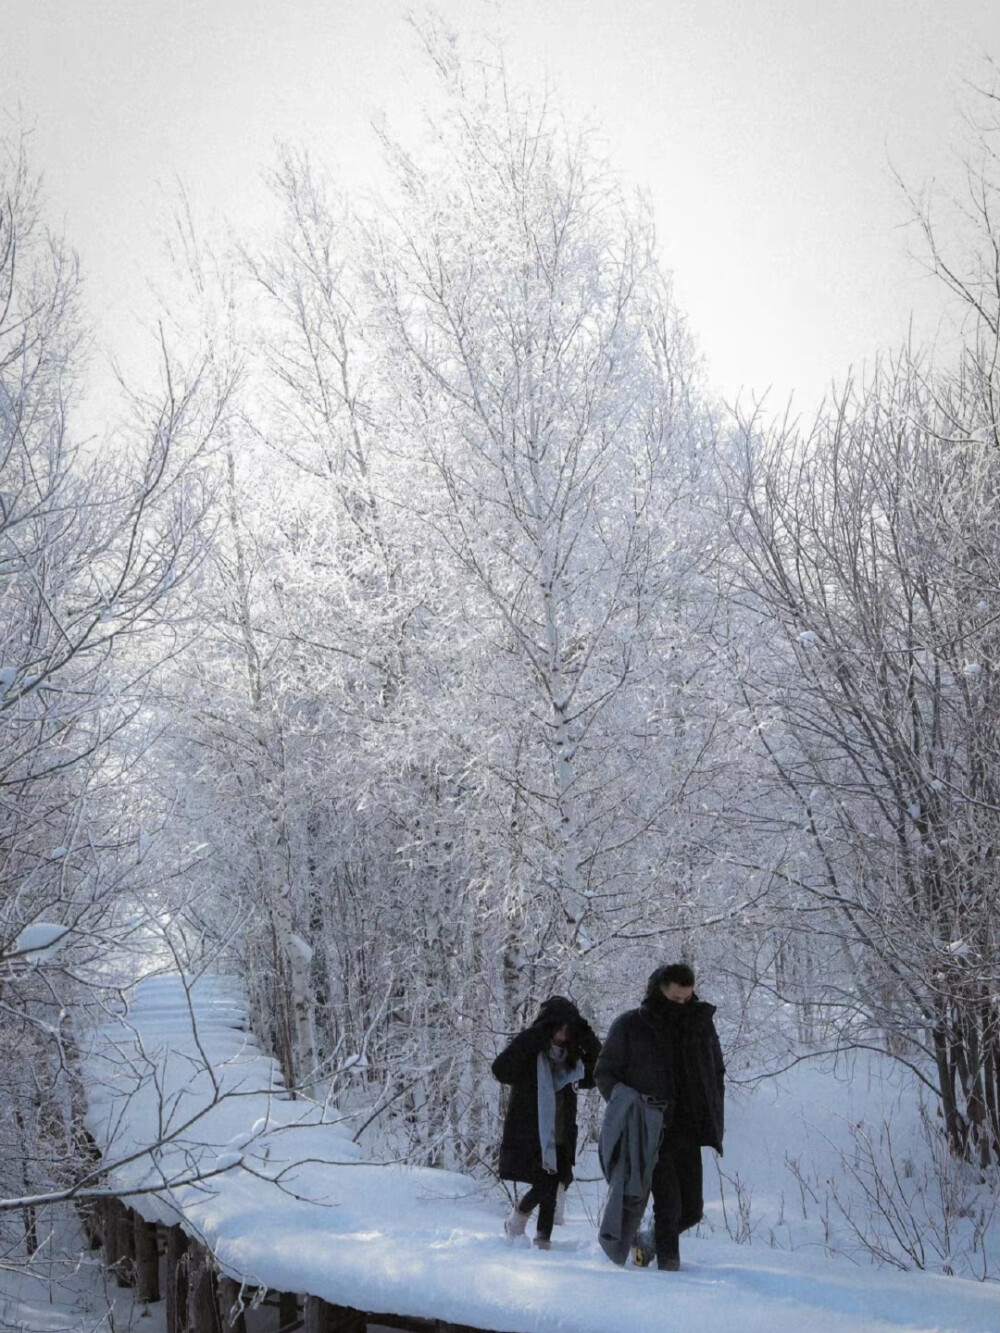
[[841, 1156], [297, 1208], [68, 1287]]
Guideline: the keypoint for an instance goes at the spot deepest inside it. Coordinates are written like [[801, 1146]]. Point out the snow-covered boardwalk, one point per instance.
[[283, 1198]]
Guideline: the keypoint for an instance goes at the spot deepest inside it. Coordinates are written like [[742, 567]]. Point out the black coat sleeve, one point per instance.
[[612, 1062], [589, 1044], [516, 1061], [720, 1064]]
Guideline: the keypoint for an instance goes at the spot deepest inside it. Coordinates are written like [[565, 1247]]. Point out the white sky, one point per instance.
[[764, 128]]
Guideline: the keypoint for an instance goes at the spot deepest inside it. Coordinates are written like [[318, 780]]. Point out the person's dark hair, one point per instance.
[[557, 1010], [679, 973]]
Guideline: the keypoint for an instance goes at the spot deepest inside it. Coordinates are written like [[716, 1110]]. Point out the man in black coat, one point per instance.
[[543, 1066], [669, 1052]]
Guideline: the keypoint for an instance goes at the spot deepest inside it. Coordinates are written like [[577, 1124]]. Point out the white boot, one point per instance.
[[514, 1224], [559, 1217]]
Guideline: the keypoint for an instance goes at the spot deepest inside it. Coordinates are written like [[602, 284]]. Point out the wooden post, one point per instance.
[[229, 1294], [89, 1212], [119, 1242], [89, 1157], [288, 1309], [177, 1280], [147, 1261], [322, 1317], [109, 1236], [203, 1309], [126, 1244]]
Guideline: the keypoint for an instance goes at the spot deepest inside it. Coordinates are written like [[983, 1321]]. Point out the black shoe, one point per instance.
[[668, 1255]]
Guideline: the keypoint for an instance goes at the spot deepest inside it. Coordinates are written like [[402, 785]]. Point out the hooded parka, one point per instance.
[[670, 1053], [517, 1066]]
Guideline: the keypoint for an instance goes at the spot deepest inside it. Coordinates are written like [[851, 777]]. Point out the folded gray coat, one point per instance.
[[630, 1136]]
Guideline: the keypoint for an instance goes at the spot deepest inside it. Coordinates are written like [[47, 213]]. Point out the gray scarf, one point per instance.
[[553, 1074]]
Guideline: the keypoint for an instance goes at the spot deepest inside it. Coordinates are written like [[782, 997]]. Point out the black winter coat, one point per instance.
[[670, 1052], [517, 1065]]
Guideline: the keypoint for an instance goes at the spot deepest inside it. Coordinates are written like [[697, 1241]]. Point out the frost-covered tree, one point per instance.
[[869, 550], [442, 708], [550, 421], [866, 554], [95, 546]]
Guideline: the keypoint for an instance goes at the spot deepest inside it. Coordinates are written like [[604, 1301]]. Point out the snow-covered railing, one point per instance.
[[247, 1191], [254, 1196]]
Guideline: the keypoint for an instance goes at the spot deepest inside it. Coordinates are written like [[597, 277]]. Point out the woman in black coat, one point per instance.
[[543, 1066]]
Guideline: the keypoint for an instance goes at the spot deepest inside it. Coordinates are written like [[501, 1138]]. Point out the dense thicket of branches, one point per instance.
[[527, 665], [866, 550], [869, 550], [488, 658], [95, 552], [444, 700]]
